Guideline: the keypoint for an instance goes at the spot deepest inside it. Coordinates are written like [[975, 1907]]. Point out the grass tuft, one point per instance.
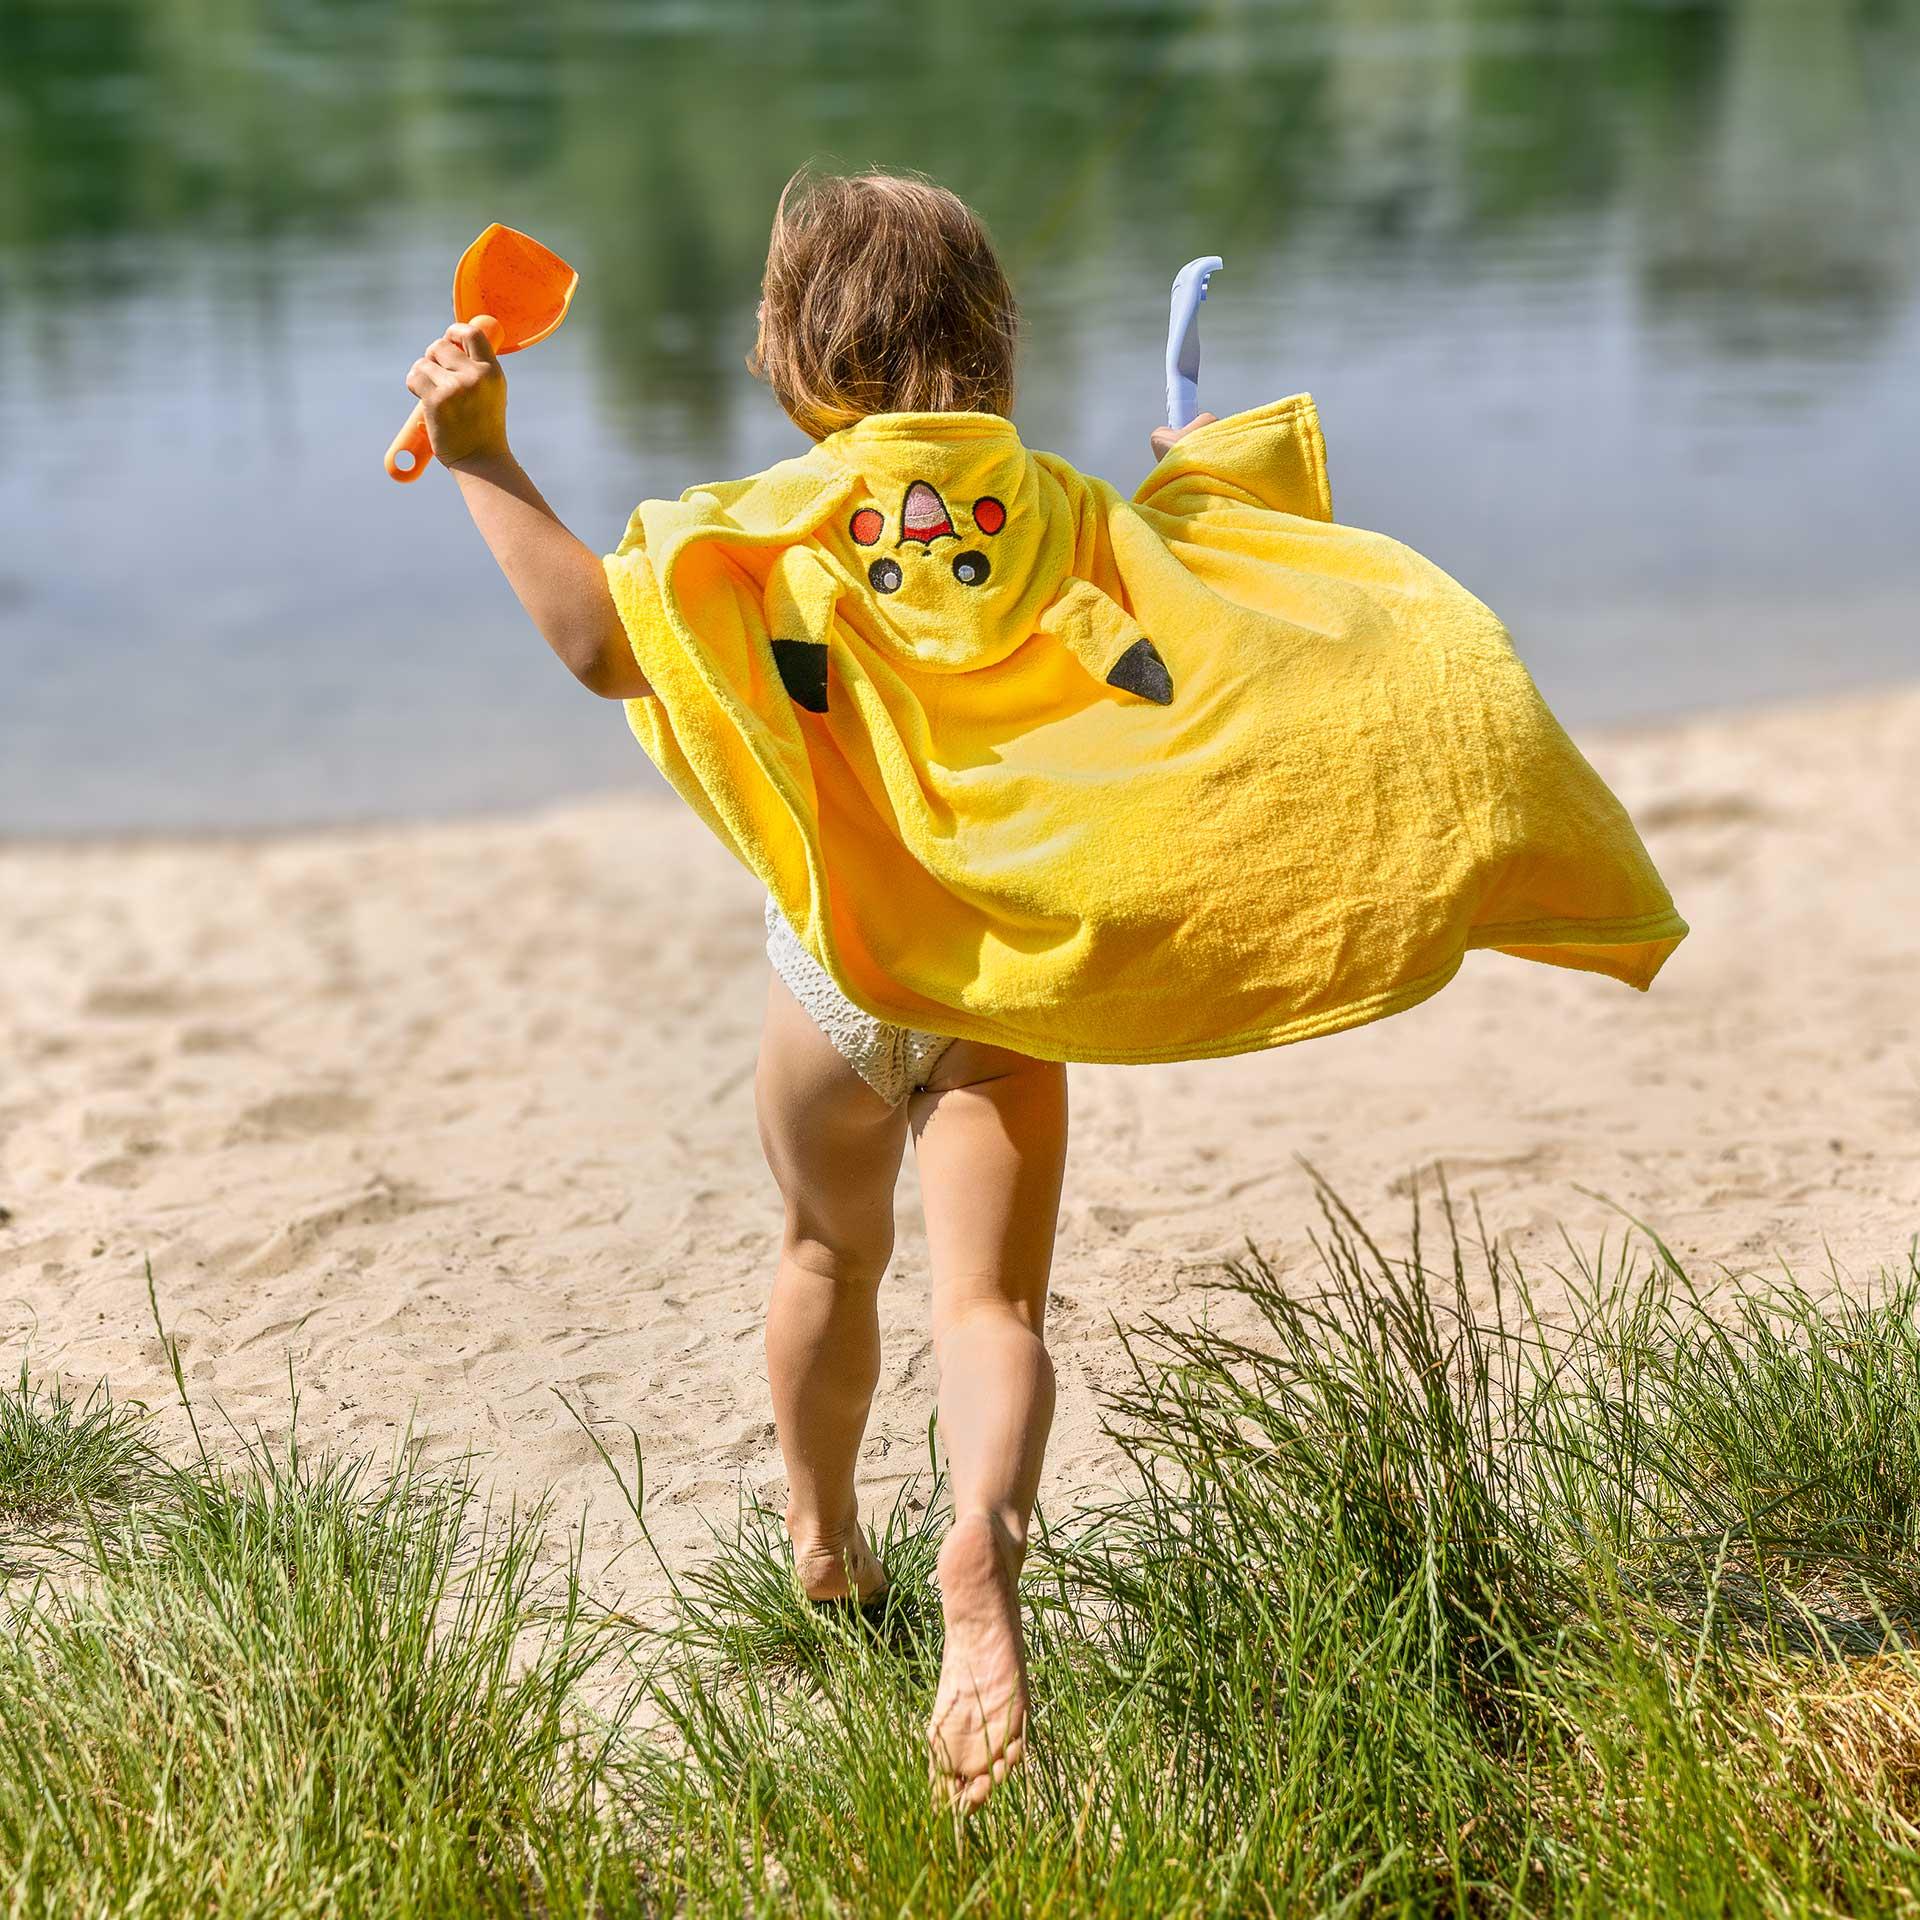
[[300, 1686], [1417, 1598], [64, 1460]]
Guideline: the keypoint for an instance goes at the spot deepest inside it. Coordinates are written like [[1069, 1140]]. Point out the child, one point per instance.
[[1031, 773]]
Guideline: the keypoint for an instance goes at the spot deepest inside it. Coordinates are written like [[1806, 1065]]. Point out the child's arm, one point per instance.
[[559, 581]]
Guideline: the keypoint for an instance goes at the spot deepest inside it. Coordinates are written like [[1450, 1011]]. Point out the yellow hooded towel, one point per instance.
[[1025, 762]]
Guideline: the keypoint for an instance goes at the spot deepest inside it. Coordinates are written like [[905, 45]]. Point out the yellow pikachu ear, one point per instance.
[[802, 594], [801, 598], [1108, 642]]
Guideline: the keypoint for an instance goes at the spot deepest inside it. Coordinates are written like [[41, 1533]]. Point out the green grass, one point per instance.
[[1413, 1601], [63, 1460]]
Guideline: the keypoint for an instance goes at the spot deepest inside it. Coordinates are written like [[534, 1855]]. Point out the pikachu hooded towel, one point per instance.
[[1023, 761]]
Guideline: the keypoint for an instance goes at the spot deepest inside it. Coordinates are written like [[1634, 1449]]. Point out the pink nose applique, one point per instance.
[[924, 516]]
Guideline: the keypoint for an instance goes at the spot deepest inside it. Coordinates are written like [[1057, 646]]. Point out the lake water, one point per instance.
[[1609, 308]]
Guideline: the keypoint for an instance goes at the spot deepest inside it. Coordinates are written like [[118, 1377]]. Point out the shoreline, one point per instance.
[[454, 1117]]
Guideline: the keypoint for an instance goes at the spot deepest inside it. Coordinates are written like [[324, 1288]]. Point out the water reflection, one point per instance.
[[1574, 283]]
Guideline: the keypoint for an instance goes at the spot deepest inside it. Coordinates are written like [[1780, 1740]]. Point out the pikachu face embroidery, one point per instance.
[[928, 582], [925, 521]]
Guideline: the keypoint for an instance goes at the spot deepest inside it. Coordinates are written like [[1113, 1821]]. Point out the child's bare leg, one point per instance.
[[991, 1131], [834, 1146]]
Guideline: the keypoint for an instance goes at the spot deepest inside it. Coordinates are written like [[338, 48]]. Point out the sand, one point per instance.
[[453, 1119]]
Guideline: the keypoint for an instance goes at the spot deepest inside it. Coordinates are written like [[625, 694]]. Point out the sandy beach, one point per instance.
[[454, 1119]]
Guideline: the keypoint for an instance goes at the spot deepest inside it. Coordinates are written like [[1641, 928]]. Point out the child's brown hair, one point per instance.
[[883, 294]]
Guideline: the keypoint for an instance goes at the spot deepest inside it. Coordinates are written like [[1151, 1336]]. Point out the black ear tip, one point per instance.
[[802, 666], [1142, 672]]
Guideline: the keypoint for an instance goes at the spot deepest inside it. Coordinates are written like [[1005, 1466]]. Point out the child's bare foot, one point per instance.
[[979, 1723], [838, 1568]]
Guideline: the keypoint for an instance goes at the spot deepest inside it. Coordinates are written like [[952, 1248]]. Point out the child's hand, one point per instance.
[[463, 393], [1164, 437]]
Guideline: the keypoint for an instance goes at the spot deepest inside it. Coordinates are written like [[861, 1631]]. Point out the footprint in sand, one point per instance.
[[121, 1171], [281, 1329], [1424, 1181], [209, 1038], [138, 1000], [299, 1116], [1703, 810], [381, 1202]]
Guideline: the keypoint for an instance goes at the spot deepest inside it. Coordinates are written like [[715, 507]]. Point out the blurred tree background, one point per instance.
[[1449, 193]]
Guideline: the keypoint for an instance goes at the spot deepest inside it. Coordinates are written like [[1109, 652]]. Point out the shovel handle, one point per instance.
[[410, 440]]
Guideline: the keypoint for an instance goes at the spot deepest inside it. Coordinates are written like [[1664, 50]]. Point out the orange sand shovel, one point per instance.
[[526, 287]]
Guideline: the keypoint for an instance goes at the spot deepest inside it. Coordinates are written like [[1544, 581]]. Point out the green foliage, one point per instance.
[[1417, 1599], [146, 139]]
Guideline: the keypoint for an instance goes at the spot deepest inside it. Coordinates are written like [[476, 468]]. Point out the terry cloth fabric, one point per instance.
[[1024, 761], [893, 1061]]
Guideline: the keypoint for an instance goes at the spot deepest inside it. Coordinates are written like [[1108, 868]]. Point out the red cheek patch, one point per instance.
[[988, 514], [867, 526]]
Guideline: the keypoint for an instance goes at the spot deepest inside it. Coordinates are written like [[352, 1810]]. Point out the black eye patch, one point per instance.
[[885, 575], [971, 569]]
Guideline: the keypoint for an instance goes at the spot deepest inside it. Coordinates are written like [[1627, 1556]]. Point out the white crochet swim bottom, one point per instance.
[[893, 1061]]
